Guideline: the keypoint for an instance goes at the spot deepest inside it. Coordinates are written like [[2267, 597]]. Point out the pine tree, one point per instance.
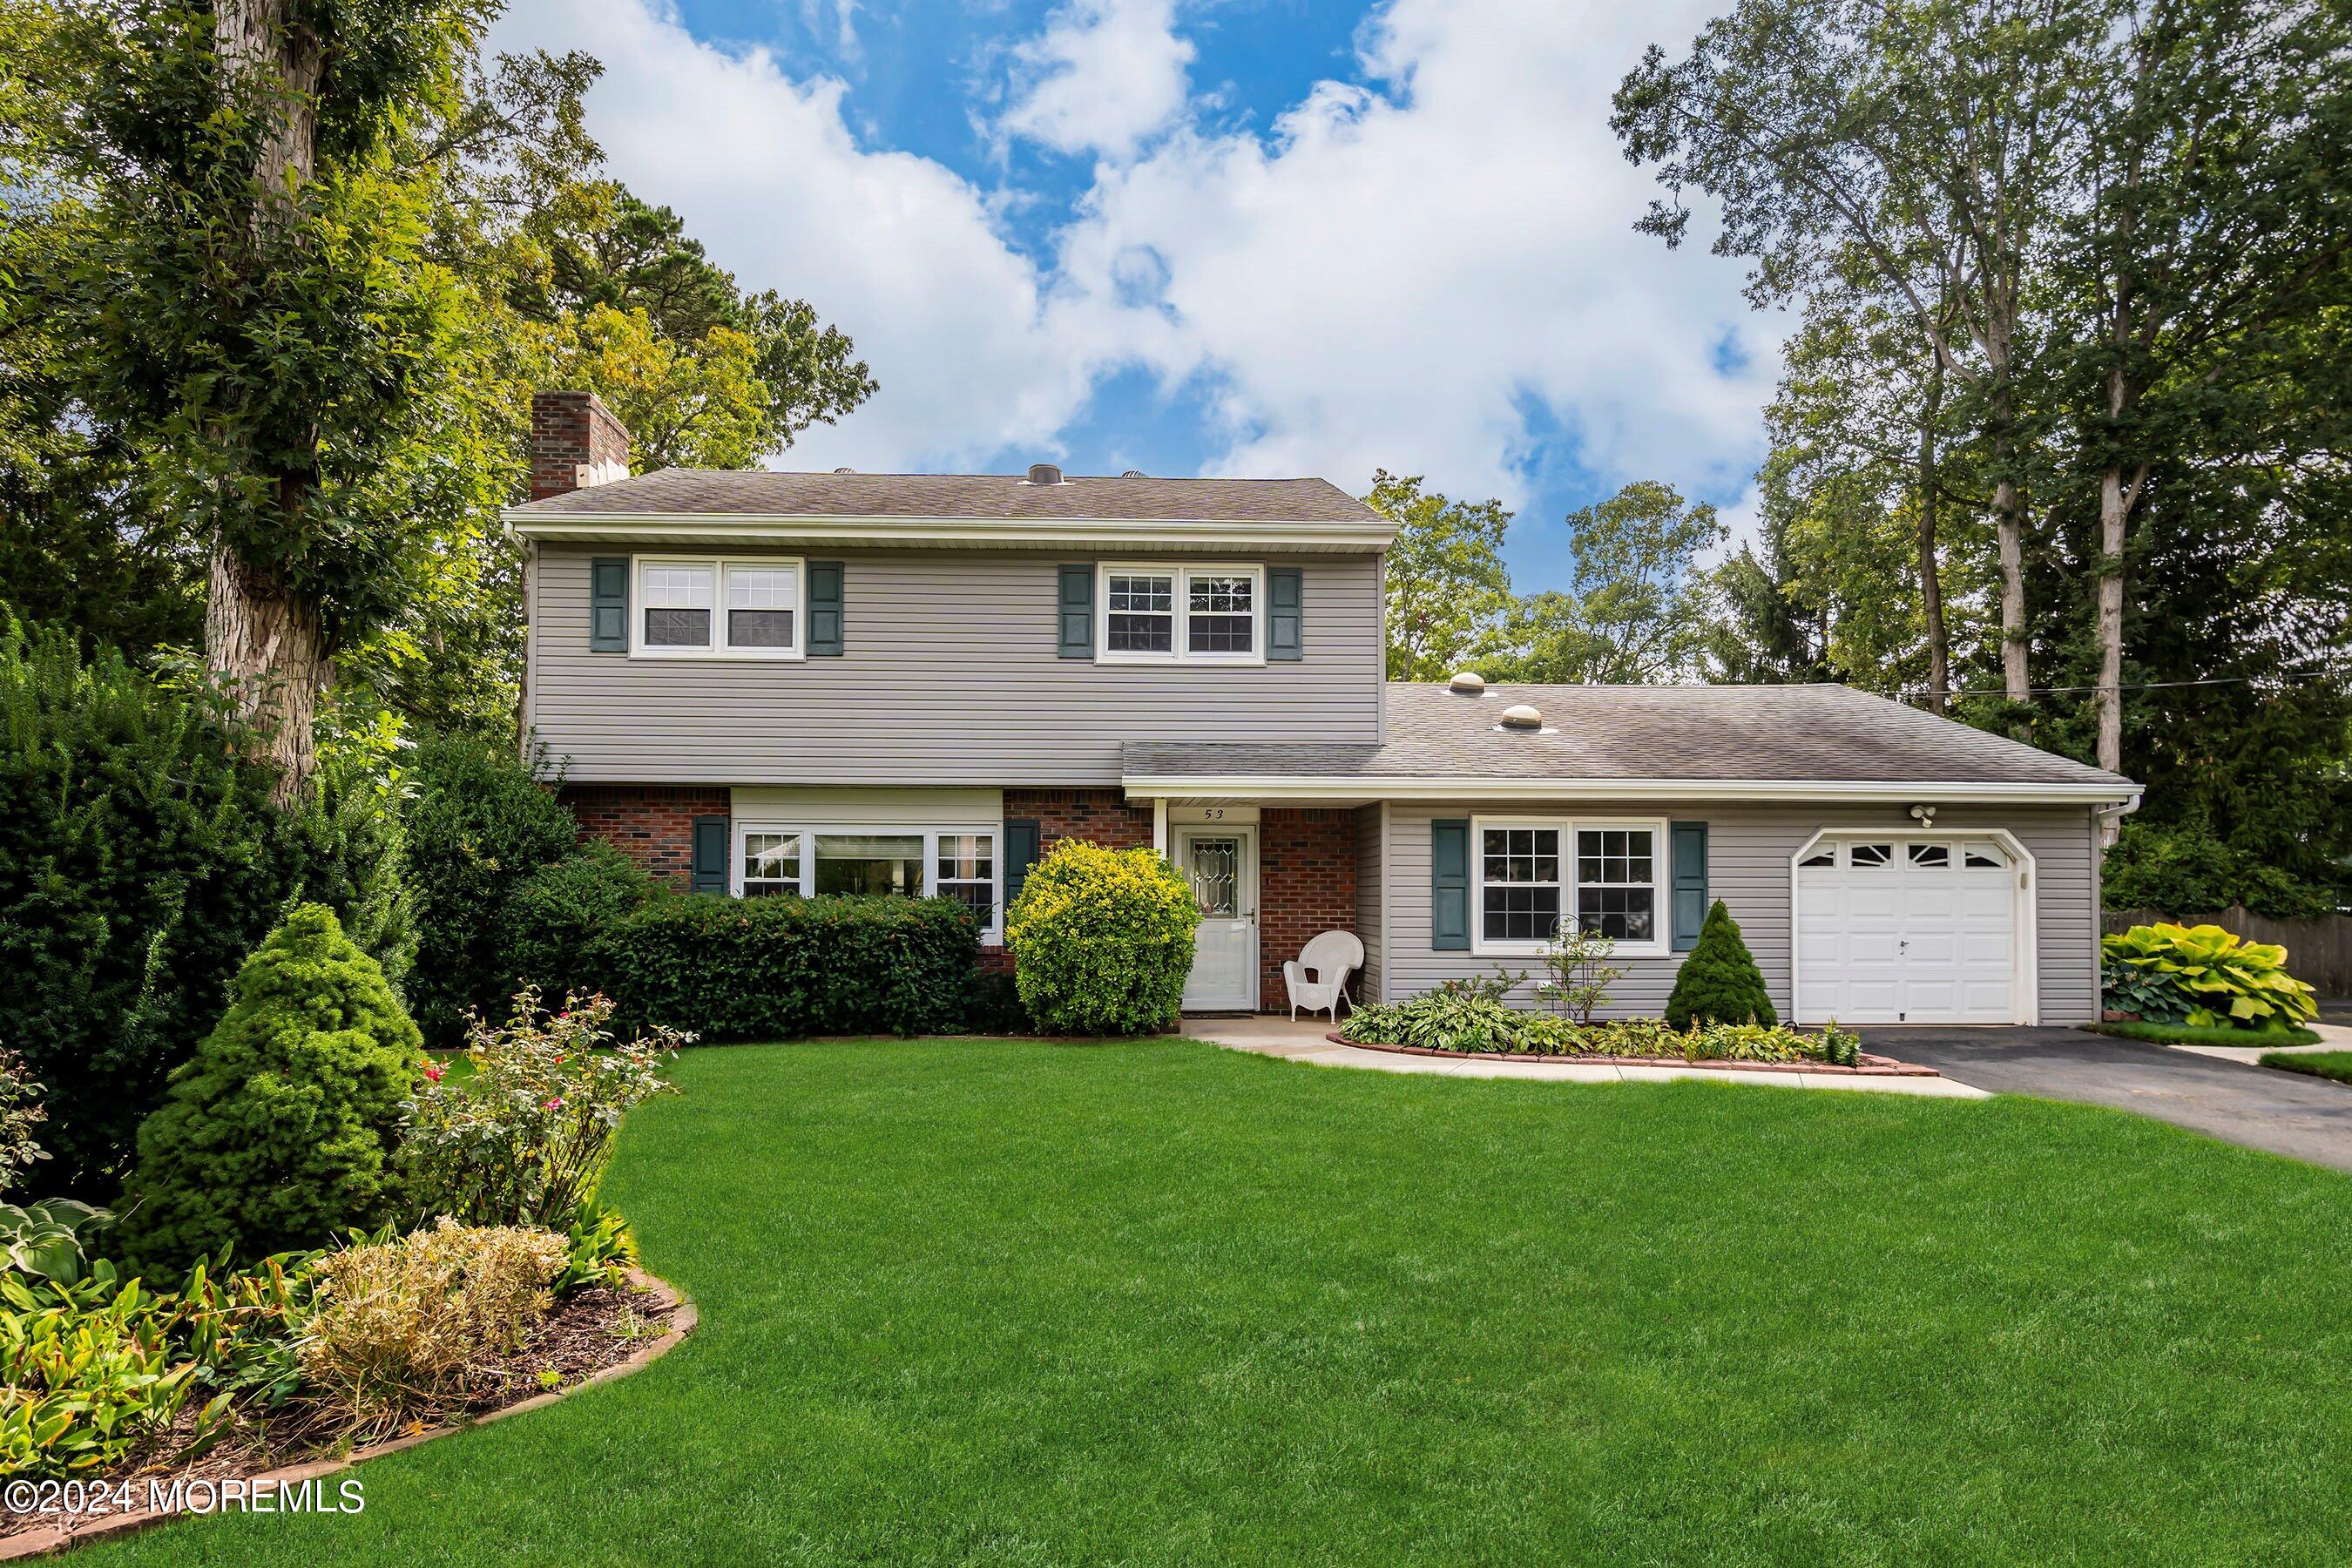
[[1720, 982], [278, 1132]]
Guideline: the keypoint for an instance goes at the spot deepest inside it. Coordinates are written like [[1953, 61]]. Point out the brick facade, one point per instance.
[[1307, 886], [1097, 816], [651, 824], [575, 441]]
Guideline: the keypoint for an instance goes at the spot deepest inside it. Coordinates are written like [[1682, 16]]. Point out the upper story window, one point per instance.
[[1530, 885], [1203, 614], [708, 607]]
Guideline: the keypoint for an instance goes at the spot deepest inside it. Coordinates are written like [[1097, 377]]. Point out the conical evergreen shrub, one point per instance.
[[1720, 982], [278, 1132]]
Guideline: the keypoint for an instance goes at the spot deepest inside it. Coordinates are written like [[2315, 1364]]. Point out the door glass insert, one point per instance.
[[1216, 877], [1931, 854], [1870, 855], [1984, 856]]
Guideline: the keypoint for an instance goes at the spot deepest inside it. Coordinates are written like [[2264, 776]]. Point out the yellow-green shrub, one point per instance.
[[2206, 974], [1101, 939]]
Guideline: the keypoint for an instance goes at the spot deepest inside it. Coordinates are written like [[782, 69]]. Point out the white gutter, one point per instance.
[[1294, 786], [583, 528]]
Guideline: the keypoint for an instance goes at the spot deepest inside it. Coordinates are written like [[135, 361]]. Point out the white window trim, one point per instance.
[[1661, 881], [718, 648], [1183, 571], [809, 832]]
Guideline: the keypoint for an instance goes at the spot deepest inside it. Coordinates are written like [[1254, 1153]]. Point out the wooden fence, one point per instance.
[[2318, 952]]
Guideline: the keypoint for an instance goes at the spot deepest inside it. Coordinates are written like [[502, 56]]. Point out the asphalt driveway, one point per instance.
[[2308, 1119]]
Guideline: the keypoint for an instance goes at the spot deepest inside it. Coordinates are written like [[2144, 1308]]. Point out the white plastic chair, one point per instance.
[[1330, 959]]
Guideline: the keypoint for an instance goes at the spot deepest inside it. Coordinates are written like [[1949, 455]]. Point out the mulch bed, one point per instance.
[[591, 1335], [1868, 1066]]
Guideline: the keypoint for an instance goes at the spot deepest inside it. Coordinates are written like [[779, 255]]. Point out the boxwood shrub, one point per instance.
[[771, 969], [1102, 939]]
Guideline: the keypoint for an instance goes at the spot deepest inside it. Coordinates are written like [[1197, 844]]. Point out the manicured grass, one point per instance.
[[2336, 1065], [2188, 1035], [1019, 1302]]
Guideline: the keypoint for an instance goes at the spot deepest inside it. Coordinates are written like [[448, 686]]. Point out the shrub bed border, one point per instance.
[[683, 1318], [1869, 1066]]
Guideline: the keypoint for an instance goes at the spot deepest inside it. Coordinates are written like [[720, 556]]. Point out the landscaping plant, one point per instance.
[[480, 821], [1102, 939], [2211, 976], [278, 1133], [50, 1239], [1581, 971], [20, 1112], [559, 915], [777, 969], [526, 1139], [1718, 982], [400, 1327], [1473, 1021]]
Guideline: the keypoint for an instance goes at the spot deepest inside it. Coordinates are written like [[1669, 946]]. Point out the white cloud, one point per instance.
[[1438, 276], [1104, 75]]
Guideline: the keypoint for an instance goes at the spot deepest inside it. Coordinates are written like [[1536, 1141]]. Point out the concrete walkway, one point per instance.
[[1306, 1042]]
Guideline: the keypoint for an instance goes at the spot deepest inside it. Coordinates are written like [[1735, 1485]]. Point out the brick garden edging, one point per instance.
[[1868, 1067], [683, 1318]]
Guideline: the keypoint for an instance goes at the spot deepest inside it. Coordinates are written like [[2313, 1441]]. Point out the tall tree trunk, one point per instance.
[[2116, 496], [1931, 580], [265, 642]]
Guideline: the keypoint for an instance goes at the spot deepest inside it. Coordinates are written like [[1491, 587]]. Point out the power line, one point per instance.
[[2317, 674]]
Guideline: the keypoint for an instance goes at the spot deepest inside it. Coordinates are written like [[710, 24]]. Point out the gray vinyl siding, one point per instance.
[[950, 676], [1749, 847], [1368, 899]]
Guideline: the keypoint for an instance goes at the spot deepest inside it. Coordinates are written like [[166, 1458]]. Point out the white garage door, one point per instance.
[[1907, 930]]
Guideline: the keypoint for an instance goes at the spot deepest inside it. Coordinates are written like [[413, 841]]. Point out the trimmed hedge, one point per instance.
[[1102, 939], [773, 969], [561, 912]]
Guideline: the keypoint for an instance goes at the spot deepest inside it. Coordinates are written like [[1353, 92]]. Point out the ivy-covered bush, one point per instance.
[[526, 1139], [559, 915], [2202, 976], [1102, 939], [278, 1132], [140, 859], [769, 969], [1718, 982], [479, 823]]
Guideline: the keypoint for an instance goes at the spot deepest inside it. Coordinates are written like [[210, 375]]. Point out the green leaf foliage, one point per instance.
[[560, 911], [479, 823], [278, 1132], [2216, 979], [140, 861], [1718, 982], [1102, 939], [774, 969], [2186, 870]]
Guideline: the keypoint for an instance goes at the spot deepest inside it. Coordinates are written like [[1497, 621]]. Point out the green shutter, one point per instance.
[[1449, 884], [1690, 883], [825, 609], [608, 604], [1285, 627], [1077, 638], [710, 855], [1021, 840]]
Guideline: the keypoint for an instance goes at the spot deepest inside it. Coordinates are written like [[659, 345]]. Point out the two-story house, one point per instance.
[[762, 683]]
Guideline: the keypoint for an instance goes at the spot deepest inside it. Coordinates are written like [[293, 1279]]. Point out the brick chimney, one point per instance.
[[575, 442]]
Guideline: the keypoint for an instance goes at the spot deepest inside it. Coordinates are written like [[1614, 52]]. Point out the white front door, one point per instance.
[[1908, 930], [1223, 865]]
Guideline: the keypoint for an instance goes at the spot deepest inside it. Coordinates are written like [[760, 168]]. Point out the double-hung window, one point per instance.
[[1183, 614], [708, 607], [807, 860], [1537, 878]]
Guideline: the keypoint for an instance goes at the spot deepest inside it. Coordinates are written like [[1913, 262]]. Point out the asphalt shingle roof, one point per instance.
[[720, 492], [1662, 733]]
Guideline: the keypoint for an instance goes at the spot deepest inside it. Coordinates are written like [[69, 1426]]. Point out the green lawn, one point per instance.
[[2191, 1034], [2336, 1065], [1011, 1302]]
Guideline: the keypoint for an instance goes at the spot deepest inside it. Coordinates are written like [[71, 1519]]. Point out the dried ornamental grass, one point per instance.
[[410, 1326]]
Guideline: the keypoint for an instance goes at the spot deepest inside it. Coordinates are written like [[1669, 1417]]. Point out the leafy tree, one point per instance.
[[1639, 613], [279, 1132], [1718, 982], [1766, 628], [1447, 587]]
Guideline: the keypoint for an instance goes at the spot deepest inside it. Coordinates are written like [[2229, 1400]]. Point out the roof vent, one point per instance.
[[1522, 716], [1131, 473], [1044, 474], [845, 470], [1468, 683]]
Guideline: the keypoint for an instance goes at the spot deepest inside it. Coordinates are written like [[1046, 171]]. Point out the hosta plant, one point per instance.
[[1473, 1021], [50, 1239], [2214, 978], [526, 1139]]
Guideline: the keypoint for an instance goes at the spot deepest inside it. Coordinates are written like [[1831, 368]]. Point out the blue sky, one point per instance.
[[1266, 236]]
